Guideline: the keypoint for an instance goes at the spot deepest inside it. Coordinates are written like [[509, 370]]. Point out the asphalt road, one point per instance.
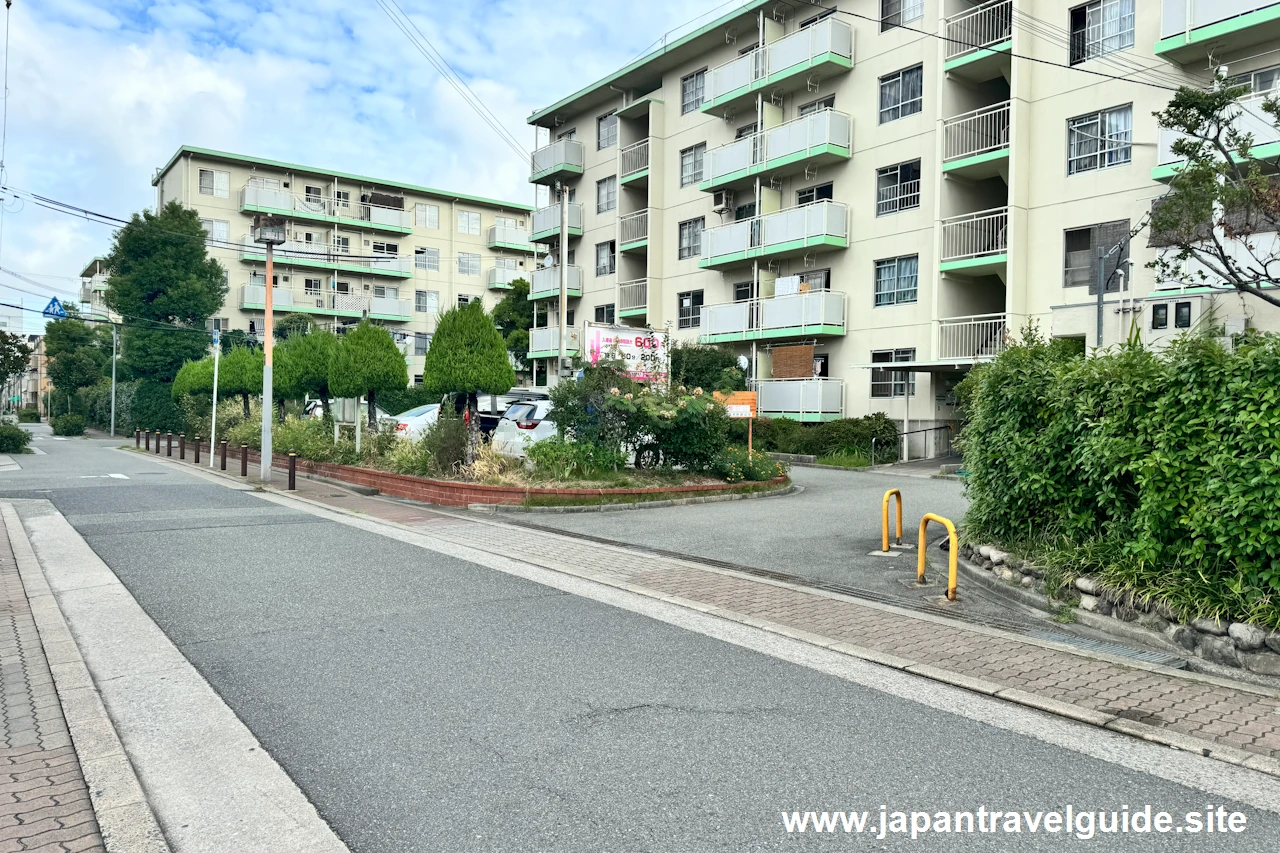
[[427, 703]]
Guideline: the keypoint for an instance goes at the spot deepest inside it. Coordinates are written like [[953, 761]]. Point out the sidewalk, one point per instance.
[[44, 801]]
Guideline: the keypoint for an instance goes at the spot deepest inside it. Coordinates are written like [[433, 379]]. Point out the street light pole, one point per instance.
[[269, 230], [564, 281], [114, 331]]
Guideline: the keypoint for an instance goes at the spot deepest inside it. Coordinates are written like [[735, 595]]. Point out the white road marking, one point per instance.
[[103, 477], [37, 451], [59, 438], [118, 476]]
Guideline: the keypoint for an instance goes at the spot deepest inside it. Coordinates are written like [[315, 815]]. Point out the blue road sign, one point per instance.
[[54, 309]]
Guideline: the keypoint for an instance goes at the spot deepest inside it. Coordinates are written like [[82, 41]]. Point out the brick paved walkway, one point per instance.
[[44, 803]]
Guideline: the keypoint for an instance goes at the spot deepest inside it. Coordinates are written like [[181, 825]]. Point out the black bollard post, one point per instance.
[[182, 446], [244, 460], [137, 438], [197, 450], [157, 442], [293, 470], [223, 451], [148, 441], [168, 449]]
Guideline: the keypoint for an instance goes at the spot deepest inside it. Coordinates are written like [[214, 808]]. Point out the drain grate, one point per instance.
[[1146, 655]]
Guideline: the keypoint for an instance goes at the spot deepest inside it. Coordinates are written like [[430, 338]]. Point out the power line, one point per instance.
[[4, 122]]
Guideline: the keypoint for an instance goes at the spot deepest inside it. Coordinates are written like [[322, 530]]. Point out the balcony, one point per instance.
[[390, 308], [817, 139], [546, 223], [633, 164], [1192, 29], [561, 159], [633, 231], [545, 342], [800, 399], [975, 338], [976, 243], [633, 298], [305, 301], [785, 65], [975, 145], [546, 283], [329, 257], [820, 226], [511, 239], [979, 41], [1251, 119], [501, 278], [800, 315], [321, 208]]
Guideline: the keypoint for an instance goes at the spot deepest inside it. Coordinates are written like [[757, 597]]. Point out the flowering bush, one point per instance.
[[735, 464]]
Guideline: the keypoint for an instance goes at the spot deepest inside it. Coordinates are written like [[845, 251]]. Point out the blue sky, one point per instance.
[[102, 92]]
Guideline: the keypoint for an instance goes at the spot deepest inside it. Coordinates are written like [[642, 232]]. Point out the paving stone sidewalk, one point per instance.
[[44, 802]]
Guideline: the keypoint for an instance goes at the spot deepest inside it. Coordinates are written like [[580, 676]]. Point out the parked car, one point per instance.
[[523, 424], [413, 423]]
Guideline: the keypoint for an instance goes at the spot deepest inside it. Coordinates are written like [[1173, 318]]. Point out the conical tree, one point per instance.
[[194, 377], [365, 362], [241, 373], [467, 356], [302, 366]]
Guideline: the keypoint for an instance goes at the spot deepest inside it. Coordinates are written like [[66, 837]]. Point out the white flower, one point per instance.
[[697, 392], [629, 396], [684, 404], [614, 391]]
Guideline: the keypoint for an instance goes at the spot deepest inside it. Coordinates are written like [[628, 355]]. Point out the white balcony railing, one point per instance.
[[977, 132], [979, 27], [548, 218], [799, 397], [547, 339], [634, 295], [557, 156], [790, 53], [507, 236], [503, 276], [975, 235], [390, 306], [256, 294], [253, 294], [253, 196], [1249, 118], [546, 281], [901, 196], [633, 227], [633, 159], [979, 336], [330, 253], [801, 310], [1180, 16], [799, 136], [772, 230]]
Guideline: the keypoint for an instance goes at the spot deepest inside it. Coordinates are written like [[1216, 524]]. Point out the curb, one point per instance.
[[125, 818], [492, 509]]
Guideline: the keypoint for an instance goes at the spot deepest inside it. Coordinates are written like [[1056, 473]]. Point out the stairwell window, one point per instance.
[[897, 188], [689, 309], [606, 258], [895, 13], [606, 131], [425, 258], [886, 382], [215, 182], [691, 238], [897, 280], [901, 94], [692, 88], [1100, 140], [691, 164], [606, 194], [1099, 28], [426, 215], [468, 263]]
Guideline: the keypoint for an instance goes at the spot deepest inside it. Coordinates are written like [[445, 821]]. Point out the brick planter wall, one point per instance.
[[448, 492]]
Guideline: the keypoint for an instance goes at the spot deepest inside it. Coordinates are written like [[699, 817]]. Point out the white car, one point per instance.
[[522, 425], [413, 423]]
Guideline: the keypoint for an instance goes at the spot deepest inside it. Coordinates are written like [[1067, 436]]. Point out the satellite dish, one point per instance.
[[743, 363]]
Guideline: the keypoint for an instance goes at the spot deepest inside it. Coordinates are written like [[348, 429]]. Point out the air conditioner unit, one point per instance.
[[722, 201]]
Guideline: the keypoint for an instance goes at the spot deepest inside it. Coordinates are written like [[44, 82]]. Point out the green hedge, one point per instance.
[[847, 435], [68, 425], [1157, 471], [13, 439], [28, 416]]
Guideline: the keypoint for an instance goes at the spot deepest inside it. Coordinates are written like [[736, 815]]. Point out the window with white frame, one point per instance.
[[897, 188], [571, 133], [606, 131], [895, 13], [342, 198], [1100, 140], [215, 182], [691, 91], [606, 194], [1099, 28], [386, 291], [381, 247], [468, 222], [506, 222], [897, 280], [901, 94], [827, 103], [426, 215], [821, 192], [342, 245], [691, 238], [689, 309], [426, 301], [311, 286], [605, 313], [464, 299], [742, 290], [1260, 81], [505, 263], [886, 382], [217, 229], [815, 280], [263, 183], [691, 164], [468, 263], [343, 287], [421, 343], [426, 258], [1080, 262], [606, 258]]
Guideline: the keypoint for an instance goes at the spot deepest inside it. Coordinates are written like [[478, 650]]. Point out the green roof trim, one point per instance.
[[970, 263], [1265, 151], [324, 217], [976, 159], [324, 265], [767, 334], [1218, 29], [634, 312], [1004, 47], [279, 164]]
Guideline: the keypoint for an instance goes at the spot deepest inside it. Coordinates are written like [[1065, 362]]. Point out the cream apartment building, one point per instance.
[[357, 247], [893, 186]]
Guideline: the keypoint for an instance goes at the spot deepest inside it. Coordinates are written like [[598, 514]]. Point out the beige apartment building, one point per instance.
[[835, 193], [357, 247]]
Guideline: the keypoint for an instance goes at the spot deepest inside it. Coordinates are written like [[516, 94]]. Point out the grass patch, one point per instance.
[[1064, 615], [845, 459], [648, 497]]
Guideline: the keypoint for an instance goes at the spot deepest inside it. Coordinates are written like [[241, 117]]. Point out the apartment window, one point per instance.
[[342, 198], [1100, 140], [1099, 28], [691, 90], [691, 238], [505, 222], [741, 291], [342, 245], [689, 309], [607, 194], [382, 248], [1080, 266], [895, 13], [343, 287], [313, 195], [421, 343], [465, 300], [604, 313], [426, 215], [571, 133], [826, 103], [426, 301], [215, 182], [815, 280], [606, 258], [261, 183], [217, 229], [1160, 316], [808, 22], [691, 164], [1182, 315], [744, 211], [897, 188], [468, 263], [901, 94], [1258, 81], [606, 131], [505, 263], [425, 258], [468, 222], [311, 286], [886, 382], [385, 291], [809, 195], [745, 130], [897, 280]]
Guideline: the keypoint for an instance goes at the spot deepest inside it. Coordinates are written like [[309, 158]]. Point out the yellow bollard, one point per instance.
[[884, 519], [952, 554]]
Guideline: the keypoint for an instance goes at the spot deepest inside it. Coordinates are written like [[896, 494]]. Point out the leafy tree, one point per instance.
[[292, 324], [513, 316], [301, 366], [161, 277], [365, 362], [153, 407], [78, 354], [240, 373], [467, 356], [194, 377], [15, 354], [701, 366], [234, 338]]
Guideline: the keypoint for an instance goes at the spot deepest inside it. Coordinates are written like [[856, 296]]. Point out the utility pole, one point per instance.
[[564, 281], [114, 331], [269, 230], [213, 420]]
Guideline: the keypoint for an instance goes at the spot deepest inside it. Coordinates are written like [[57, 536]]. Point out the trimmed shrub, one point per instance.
[[68, 425], [153, 408], [736, 465], [13, 439], [28, 416], [557, 458]]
